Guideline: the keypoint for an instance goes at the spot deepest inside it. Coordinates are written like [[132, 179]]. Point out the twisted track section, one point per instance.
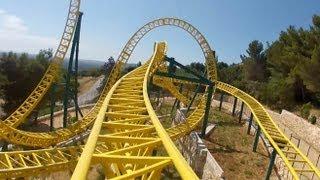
[[13, 135], [33, 139], [296, 162], [34, 162], [132, 132], [21, 113]]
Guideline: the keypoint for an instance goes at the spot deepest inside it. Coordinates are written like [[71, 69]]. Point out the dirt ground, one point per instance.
[[85, 83], [232, 148]]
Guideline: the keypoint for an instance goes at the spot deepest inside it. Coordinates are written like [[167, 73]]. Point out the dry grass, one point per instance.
[[232, 148]]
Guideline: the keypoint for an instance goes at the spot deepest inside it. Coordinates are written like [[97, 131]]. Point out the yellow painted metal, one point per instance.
[[32, 101], [133, 141], [272, 132], [132, 131], [285, 148], [12, 135]]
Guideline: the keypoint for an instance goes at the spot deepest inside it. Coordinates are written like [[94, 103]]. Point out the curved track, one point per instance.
[[13, 135], [20, 114], [295, 161], [127, 130]]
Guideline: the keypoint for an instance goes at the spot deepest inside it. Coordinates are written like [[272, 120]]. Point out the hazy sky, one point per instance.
[[30, 25]]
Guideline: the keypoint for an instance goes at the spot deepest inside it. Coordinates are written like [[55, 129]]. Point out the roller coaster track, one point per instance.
[[132, 130], [296, 162], [129, 127], [24, 163], [21, 113], [13, 135], [35, 139]]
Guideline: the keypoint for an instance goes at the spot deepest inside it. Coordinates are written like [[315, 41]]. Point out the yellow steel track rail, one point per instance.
[[32, 101], [295, 158], [295, 161], [12, 135], [132, 136], [36, 139], [34, 162]]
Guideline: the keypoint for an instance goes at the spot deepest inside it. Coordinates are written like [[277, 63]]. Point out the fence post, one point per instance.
[[271, 163], [250, 123], [241, 111], [234, 105], [221, 101], [207, 111], [256, 140]]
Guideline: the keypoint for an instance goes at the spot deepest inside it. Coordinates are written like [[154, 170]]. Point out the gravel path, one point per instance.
[[90, 95]]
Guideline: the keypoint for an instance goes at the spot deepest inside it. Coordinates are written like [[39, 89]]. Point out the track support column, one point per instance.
[[52, 104], [193, 98], [207, 111], [74, 51], [234, 106], [256, 140], [250, 123], [241, 111], [271, 164], [221, 101]]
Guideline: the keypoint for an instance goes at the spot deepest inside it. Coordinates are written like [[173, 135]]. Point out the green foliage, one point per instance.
[[313, 119], [254, 65], [21, 73], [72, 120], [284, 75], [305, 110]]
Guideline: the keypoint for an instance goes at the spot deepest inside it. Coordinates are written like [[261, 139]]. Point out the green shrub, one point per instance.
[[72, 120], [313, 119], [305, 110]]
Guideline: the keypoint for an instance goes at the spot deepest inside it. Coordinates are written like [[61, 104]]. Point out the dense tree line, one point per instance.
[[19, 75], [285, 74]]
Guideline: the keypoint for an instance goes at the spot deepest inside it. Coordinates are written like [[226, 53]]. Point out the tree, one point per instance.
[[22, 73], [254, 65], [295, 57]]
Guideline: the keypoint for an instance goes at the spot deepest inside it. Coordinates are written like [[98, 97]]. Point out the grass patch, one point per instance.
[[232, 148]]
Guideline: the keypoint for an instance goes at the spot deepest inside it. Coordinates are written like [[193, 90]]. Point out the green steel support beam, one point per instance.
[[176, 103], [75, 41], [271, 164], [241, 111], [52, 104], [188, 70], [195, 80], [194, 97], [234, 106], [221, 101], [207, 111], [77, 109], [250, 123], [256, 140]]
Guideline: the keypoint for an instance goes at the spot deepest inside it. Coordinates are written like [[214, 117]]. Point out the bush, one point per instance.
[[313, 119], [305, 110]]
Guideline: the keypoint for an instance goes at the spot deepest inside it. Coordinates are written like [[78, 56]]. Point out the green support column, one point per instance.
[[256, 140], [69, 72], [194, 97], [77, 109], [241, 111], [234, 106], [250, 123], [207, 111], [158, 97], [52, 104], [221, 101], [271, 164]]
